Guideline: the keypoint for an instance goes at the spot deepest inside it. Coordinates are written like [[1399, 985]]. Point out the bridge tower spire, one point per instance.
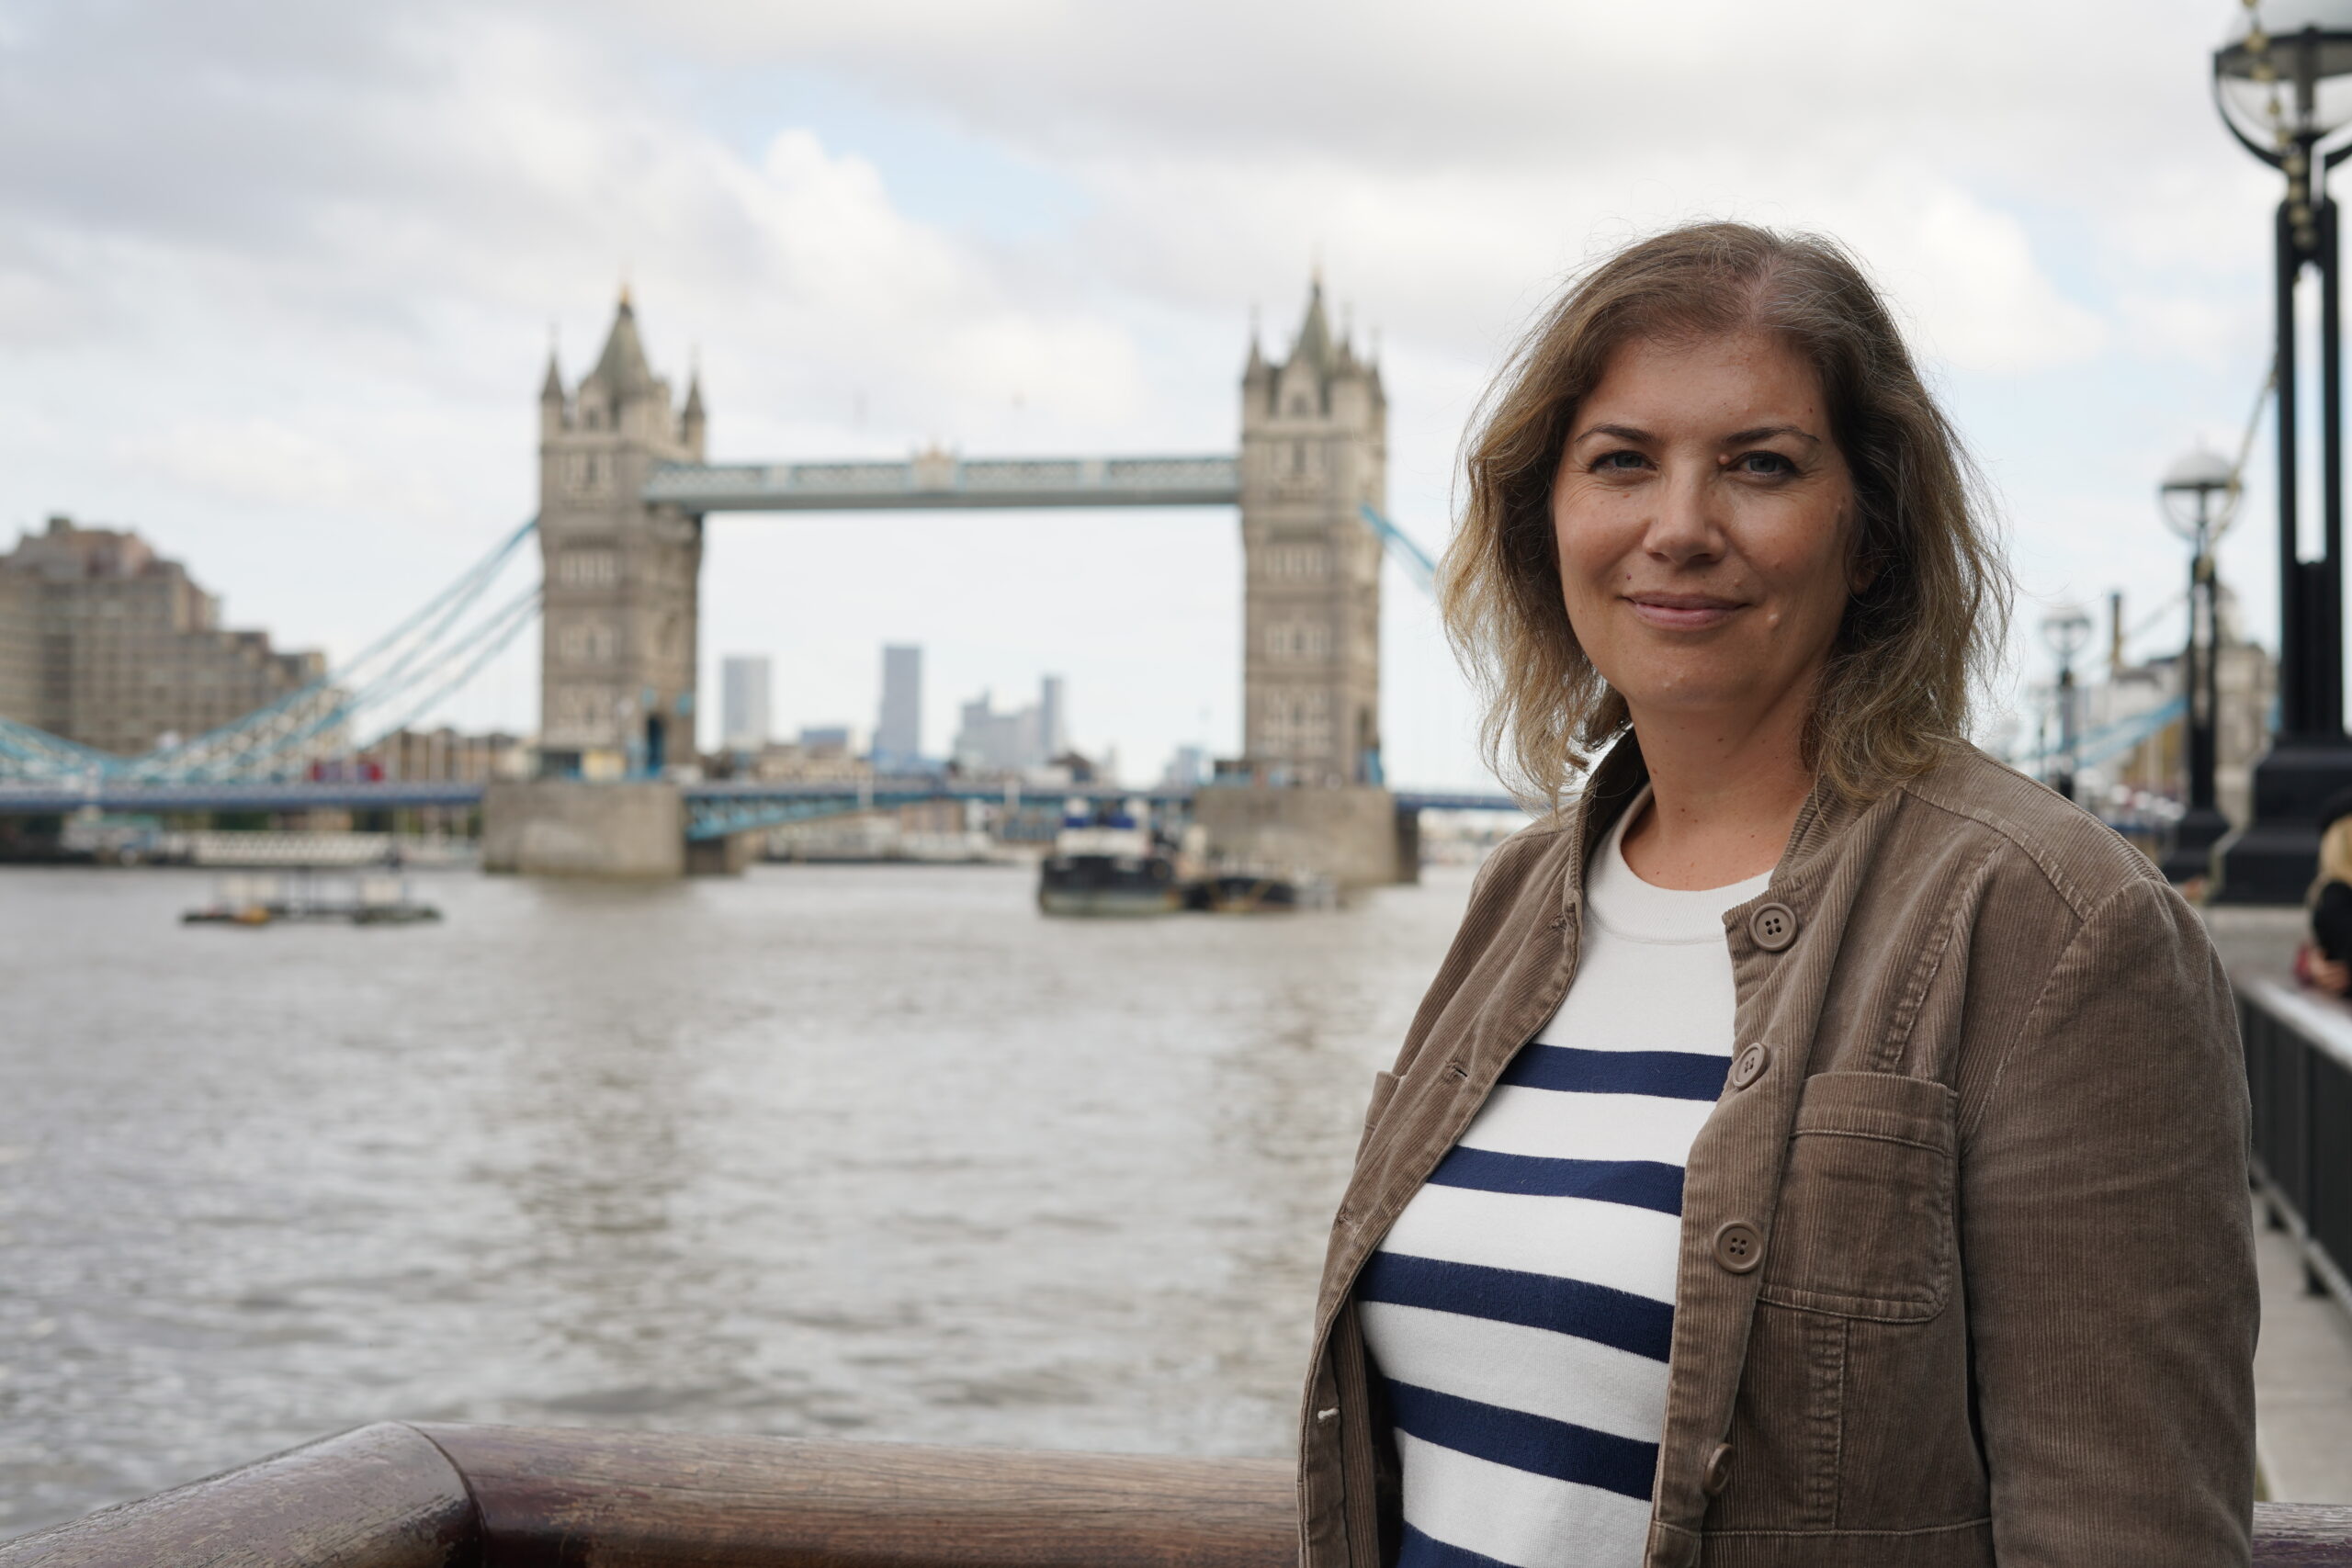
[[1314, 452], [620, 614]]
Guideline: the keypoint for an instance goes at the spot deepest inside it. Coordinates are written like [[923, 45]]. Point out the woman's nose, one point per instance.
[[1685, 527]]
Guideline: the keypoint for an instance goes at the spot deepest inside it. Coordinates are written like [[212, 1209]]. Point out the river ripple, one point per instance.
[[870, 1153]]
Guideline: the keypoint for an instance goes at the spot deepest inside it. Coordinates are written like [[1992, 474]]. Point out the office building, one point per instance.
[[825, 740], [745, 715], [1187, 767], [992, 742], [1049, 718], [897, 735]]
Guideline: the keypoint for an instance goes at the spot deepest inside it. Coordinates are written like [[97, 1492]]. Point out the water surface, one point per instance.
[[866, 1153]]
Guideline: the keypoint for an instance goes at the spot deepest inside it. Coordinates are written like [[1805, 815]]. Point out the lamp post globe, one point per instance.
[[2196, 498], [2194, 490], [2068, 631], [2282, 81], [2281, 72]]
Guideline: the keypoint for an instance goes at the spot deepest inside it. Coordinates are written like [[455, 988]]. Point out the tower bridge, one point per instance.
[[624, 490], [624, 487]]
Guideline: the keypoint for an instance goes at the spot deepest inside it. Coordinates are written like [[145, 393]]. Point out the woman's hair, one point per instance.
[[2335, 856], [1932, 616]]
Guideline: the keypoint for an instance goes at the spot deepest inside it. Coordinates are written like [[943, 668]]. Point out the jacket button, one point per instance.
[[1774, 927], [1749, 1066], [1739, 1246], [1718, 1474]]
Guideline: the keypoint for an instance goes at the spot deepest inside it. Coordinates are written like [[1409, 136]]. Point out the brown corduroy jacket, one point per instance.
[[1966, 1270]]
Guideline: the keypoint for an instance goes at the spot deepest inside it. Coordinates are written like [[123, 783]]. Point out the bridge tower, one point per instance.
[[619, 618], [1314, 452]]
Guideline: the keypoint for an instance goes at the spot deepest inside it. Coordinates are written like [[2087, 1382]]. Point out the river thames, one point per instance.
[[870, 1153]]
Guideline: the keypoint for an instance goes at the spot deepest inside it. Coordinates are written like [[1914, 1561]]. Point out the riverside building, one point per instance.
[[107, 643]]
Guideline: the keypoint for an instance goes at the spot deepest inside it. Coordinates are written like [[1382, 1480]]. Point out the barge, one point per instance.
[[1108, 859], [361, 900]]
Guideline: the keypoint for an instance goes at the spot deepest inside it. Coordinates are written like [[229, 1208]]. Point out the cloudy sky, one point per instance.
[[277, 282]]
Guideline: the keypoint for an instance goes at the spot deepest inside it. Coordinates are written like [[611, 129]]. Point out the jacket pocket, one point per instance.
[[1864, 1227]]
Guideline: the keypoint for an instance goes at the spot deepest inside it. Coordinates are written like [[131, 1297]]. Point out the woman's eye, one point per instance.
[[1771, 465], [1617, 463]]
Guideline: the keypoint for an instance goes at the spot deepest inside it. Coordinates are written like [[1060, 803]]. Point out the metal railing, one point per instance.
[[2299, 1074]]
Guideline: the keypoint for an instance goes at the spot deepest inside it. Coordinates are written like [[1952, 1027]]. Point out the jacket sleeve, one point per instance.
[[1491, 885], [2107, 1238]]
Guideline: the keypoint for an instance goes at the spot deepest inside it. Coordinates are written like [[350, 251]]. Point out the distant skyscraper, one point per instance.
[[745, 712], [987, 742], [898, 738], [1049, 717], [993, 742], [1187, 766]]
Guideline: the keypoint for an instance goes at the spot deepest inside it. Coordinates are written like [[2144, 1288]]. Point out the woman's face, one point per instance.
[[1704, 516]]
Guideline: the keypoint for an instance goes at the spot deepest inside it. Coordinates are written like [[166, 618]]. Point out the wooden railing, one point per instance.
[[432, 1496], [2299, 1073]]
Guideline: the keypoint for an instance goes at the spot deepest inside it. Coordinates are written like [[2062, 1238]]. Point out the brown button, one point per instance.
[[1774, 927], [1739, 1246], [1749, 1066], [1718, 1475]]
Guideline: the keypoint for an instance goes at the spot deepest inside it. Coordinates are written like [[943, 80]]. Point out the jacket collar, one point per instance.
[[1618, 777]]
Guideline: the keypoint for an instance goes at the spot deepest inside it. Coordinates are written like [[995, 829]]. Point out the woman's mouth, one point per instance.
[[1682, 611]]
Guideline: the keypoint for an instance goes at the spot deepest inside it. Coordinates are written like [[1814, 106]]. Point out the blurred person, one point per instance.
[[1822, 1145], [2325, 960]]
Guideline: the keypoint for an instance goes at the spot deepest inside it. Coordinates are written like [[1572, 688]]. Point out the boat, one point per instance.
[[1107, 861], [363, 900]]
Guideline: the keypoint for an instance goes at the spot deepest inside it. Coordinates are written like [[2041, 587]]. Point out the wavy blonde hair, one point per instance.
[[1926, 627]]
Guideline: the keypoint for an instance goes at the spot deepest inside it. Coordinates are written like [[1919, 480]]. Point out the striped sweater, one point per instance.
[[1519, 1309]]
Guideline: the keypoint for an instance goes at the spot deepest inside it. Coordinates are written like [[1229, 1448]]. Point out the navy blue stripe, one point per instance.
[[1419, 1550], [1642, 1183], [1668, 1074], [1607, 1316], [1536, 1444]]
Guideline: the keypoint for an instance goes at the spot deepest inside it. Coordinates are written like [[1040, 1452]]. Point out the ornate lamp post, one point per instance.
[[2280, 84], [2067, 630], [2195, 497]]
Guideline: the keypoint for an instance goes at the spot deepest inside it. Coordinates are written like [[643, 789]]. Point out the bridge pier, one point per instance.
[[1409, 844], [1351, 833], [721, 857], [580, 827]]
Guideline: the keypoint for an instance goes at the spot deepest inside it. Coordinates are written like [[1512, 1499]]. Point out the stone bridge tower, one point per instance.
[[1314, 451], [619, 618]]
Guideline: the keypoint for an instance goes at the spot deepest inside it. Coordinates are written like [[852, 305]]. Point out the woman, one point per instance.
[[2325, 961], [1822, 1145]]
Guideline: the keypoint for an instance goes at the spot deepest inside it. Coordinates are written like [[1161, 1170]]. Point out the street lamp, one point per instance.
[[2283, 83], [2196, 497], [2067, 630]]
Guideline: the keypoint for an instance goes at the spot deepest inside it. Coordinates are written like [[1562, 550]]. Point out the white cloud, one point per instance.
[[1979, 296]]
